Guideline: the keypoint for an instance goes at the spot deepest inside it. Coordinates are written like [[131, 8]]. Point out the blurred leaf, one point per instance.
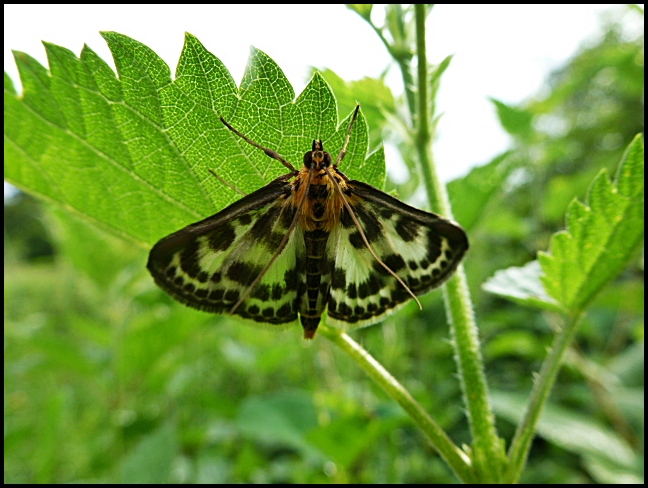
[[132, 154], [401, 27], [346, 438], [283, 418], [373, 95], [624, 296], [560, 191], [362, 9], [100, 255], [522, 285], [569, 429], [606, 472], [211, 470], [470, 194], [515, 121], [505, 222], [436, 72], [600, 237], [151, 461], [25, 233], [9, 85], [515, 342]]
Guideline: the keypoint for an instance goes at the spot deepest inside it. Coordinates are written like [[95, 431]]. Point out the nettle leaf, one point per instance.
[[601, 235], [522, 285], [132, 153]]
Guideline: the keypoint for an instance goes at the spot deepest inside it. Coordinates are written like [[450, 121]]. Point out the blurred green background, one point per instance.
[[109, 380]]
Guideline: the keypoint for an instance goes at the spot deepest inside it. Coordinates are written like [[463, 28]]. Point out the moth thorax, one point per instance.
[[318, 158]]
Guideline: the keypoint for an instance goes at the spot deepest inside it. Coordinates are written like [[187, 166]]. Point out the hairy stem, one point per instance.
[[487, 451], [525, 432], [455, 457]]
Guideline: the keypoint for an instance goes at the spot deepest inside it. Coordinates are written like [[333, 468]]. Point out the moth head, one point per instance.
[[318, 158]]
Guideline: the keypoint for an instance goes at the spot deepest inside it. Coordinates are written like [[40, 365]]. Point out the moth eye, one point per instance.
[[327, 160], [308, 159]]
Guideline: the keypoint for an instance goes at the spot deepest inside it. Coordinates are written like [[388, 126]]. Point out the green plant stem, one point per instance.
[[423, 137], [525, 432], [455, 457], [486, 444]]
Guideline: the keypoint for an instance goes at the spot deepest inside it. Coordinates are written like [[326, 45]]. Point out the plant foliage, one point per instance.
[[108, 380]]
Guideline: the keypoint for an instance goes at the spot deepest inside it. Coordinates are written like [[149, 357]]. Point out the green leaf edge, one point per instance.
[[125, 51], [629, 186]]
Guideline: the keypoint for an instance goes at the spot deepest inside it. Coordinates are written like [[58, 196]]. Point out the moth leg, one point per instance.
[[240, 192], [269, 152], [348, 137]]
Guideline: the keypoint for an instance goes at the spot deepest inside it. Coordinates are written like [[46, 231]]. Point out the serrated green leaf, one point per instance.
[[522, 285], [132, 153], [601, 235]]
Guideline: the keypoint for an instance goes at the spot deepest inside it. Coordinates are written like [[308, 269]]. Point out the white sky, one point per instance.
[[504, 52]]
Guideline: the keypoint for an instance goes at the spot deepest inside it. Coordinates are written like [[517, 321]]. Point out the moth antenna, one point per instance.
[[348, 137], [240, 192], [269, 152], [283, 243], [364, 238]]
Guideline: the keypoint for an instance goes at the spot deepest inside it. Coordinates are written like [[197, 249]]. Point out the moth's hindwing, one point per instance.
[[422, 248], [209, 265]]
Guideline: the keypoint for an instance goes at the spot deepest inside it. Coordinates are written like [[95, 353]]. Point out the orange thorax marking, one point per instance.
[[323, 205]]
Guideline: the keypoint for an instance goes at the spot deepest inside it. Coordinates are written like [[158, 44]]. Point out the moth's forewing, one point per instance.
[[421, 247], [209, 265]]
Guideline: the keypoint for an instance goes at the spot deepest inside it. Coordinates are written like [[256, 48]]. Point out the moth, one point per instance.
[[308, 242]]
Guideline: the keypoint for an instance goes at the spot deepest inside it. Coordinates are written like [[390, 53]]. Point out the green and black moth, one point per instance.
[[311, 241]]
